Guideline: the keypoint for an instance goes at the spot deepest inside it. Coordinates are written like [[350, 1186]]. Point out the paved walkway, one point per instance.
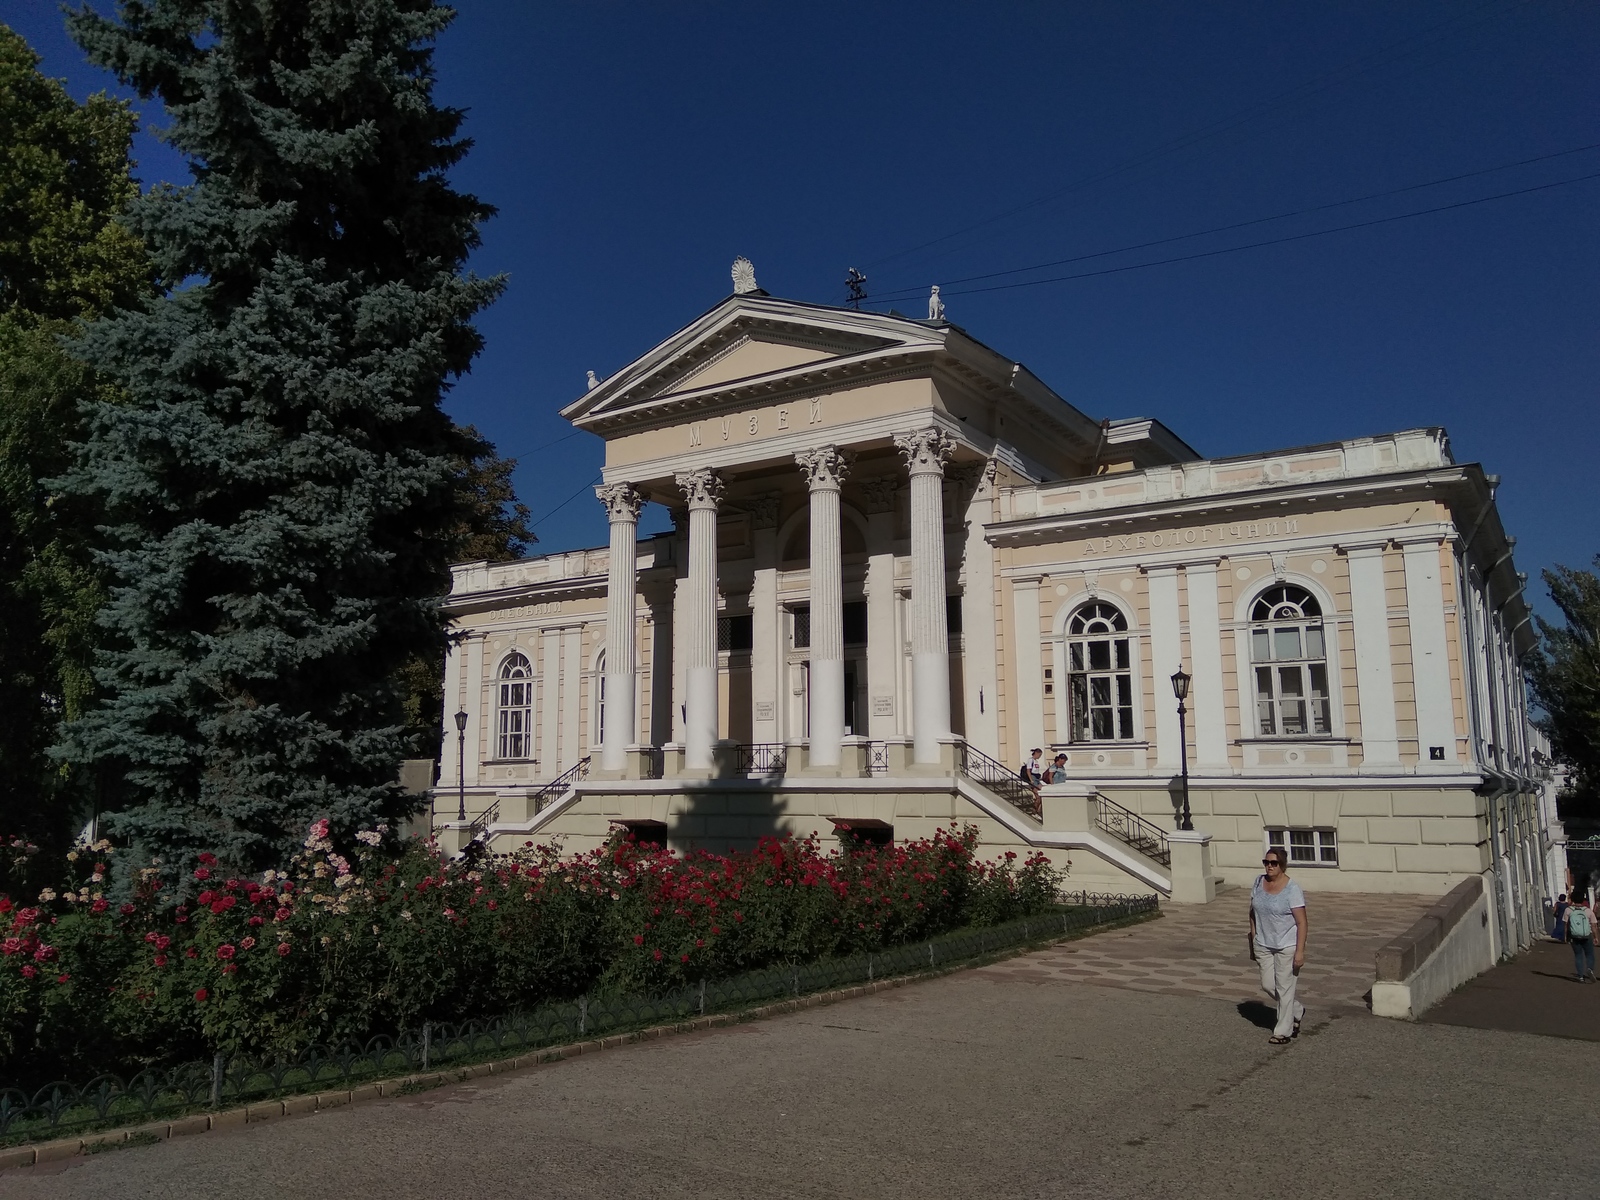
[[1533, 993], [1202, 950], [993, 1083]]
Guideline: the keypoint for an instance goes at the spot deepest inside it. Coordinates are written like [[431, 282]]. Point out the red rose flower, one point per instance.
[[28, 972], [126, 910], [63, 977], [283, 914], [209, 859], [161, 960], [163, 942], [202, 873], [200, 995], [99, 906], [254, 922], [229, 969], [225, 952], [247, 943], [283, 948], [191, 952], [658, 958], [638, 939]]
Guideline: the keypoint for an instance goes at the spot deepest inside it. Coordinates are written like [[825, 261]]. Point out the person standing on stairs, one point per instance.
[[1278, 941]]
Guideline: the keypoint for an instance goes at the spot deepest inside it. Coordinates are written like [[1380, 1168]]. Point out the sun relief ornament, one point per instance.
[[744, 276]]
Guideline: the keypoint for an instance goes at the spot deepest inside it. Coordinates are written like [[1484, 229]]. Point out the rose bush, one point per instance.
[[378, 936]]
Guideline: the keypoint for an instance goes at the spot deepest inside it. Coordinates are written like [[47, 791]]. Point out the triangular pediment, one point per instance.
[[748, 342]]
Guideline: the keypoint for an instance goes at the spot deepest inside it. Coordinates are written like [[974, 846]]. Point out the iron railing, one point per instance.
[[542, 799], [877, 758], [655, 762], [1149, 840], [62, 1108], [760, 758], [1007, 784]]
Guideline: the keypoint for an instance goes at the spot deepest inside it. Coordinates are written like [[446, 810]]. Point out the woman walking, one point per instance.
[[1278, 940], [1579, 922]]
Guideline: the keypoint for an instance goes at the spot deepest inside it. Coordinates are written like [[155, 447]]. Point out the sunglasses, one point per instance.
[[1271, 862]]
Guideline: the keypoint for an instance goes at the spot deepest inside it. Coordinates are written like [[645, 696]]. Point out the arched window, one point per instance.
[[599, 738], [516, 708], [1100, 674], [1289, 655]]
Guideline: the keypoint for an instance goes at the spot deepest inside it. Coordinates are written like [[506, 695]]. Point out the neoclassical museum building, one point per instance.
[[900, 562]]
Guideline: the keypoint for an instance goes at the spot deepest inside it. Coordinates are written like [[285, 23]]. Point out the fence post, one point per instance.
[[869, 968], [795, 971], [930, 956], [427, 1043], [702, 997], [583, 1015], [216, 1081]]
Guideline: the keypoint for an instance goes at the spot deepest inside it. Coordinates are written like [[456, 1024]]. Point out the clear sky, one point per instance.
[[635, 150]]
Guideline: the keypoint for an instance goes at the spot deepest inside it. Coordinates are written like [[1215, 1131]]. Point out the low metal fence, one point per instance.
[[760, 758], [62, 1108]]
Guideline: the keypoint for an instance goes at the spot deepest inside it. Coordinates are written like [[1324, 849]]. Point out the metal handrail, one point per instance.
[[760, 758], [1149, 840], [1005, 783], [542, 799]]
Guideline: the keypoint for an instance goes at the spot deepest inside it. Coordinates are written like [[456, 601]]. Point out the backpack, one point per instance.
[[1578, 922]]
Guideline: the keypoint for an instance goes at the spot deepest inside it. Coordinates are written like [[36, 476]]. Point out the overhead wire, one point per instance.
[[1311, 87], [1297, 237], [910, 292]]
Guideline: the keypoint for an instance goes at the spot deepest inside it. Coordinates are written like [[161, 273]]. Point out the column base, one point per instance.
[[1192, 880], [946, 764]]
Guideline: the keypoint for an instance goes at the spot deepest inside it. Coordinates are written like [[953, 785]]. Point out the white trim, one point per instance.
[[1369, 609], [1430, 652], [1205, 656], [1166, 648], [477, 749], [1029, 698], [1059, 637]]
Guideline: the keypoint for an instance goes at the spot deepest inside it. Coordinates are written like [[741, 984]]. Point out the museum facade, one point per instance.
[[900, 562]]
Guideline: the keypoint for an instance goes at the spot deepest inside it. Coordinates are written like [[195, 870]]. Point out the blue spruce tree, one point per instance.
[[282, 490]]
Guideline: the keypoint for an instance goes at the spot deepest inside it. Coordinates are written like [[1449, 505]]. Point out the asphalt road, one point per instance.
[[970, 1085]]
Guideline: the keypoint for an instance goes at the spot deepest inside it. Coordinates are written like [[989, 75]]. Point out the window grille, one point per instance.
[[1288, 654], [1306, 847], [515, 708], [1100, 674]]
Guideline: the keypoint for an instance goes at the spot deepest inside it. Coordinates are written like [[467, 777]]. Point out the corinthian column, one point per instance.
[[622, 503], [925, 453], [703, 489], [824, 468]]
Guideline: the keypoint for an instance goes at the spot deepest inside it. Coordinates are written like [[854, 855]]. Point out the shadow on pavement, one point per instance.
[[1533, 993], [1259, 1014]]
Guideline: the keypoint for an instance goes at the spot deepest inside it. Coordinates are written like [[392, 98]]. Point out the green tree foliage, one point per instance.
[[64, 176], [1564, 675], [282, 489]]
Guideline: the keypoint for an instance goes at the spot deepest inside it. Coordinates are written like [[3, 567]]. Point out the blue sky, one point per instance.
[[635, 150]]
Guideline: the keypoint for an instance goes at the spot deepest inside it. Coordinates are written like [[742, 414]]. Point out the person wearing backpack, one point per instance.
[[1579, 920]]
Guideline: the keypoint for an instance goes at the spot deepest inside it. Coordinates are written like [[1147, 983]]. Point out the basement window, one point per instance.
[[863, 831], [1306, 847]]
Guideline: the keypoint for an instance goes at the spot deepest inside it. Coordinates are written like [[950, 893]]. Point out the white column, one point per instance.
[[1369, 611], [1430, 654], [979, 643], [766, 650], [1166, 656], [1030, 669], [477, 720], [550, 764], [1205, 657], [824, 467], [925, 453], [703, 489], [622, 503], [884, 704]]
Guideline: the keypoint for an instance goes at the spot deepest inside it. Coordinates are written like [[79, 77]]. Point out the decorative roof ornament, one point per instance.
[[935, 305], [593, 382], [744, 276]]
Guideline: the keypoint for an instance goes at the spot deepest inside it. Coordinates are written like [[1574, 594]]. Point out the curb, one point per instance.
[[401, 1087]]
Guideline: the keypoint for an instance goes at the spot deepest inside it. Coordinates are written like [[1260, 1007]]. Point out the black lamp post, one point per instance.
[[461, 759], [1180, 689]]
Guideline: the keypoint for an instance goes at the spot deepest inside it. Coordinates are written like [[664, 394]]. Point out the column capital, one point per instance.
[[622, 501], [925, 450], [701, 487], [824, 467], [763, 510]]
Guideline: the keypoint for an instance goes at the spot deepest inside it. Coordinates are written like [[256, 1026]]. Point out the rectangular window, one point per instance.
[[952, 614], [736, 634], [855, 623], [1306, 847], [802, 627]]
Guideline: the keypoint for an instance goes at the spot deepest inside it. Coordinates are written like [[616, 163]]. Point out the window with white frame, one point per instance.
[[1306, 847], [515, 708], [1099, 674], [1288, 654]]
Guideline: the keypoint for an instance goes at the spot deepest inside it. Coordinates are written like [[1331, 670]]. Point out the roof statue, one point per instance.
[[593, 382], [744, 276], [935, 305]]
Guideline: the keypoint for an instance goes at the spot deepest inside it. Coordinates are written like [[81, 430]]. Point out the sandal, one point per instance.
[[1277, 1041], [1296, 1032]]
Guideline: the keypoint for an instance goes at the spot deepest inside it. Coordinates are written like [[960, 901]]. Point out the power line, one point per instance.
[[1223, 125], [567, 501], [1296, 237], [521, 454], [911, 292]]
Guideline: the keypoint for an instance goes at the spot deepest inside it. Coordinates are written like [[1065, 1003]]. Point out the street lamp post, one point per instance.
[[1180, 689], [461, 760]]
